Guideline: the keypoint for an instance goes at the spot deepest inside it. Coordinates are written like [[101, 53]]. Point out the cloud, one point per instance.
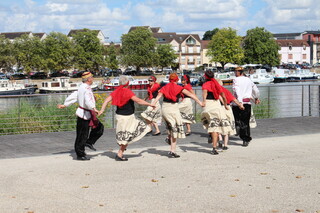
[[290, 16]]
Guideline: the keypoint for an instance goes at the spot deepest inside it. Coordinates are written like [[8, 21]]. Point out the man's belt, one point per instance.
[[246, 100]]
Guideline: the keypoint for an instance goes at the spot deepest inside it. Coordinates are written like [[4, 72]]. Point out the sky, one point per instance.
[[115, 17]]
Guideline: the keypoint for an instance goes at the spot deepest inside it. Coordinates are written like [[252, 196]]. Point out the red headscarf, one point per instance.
[[121, 95], [152, 89], [171, 90], [212, 86]]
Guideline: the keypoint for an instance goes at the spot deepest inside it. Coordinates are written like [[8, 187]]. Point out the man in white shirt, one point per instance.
[[85, 116], [244, 89]]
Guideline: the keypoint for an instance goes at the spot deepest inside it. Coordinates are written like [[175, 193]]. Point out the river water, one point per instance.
[[279, 100]]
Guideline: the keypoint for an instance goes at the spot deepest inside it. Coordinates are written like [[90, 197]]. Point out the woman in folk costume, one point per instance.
[[185, 106], [150, 114], [171, 93], [229, 98], [128, 128], [213, 117]]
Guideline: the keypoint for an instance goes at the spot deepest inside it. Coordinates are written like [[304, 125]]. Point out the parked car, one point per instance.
[[38, 75], [77, 74], [146, 72], [18, 76], [130, 72], [2, 76], [59, 74], [113, 73]]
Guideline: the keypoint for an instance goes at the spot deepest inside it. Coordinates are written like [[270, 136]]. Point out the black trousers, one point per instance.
[[242, 121], [83, 133]]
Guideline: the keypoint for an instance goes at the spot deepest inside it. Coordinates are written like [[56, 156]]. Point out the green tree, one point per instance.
[[208, 34], [7, 59], [166, 55], [58, 51], [111, 57], [225, 47], [138, 48], [88, 51], [260, 47], [29, 53]]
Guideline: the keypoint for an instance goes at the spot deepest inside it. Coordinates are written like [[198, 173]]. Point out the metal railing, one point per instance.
[[38, 113]]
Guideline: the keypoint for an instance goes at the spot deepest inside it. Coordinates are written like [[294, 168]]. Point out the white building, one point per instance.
[[294, 51]]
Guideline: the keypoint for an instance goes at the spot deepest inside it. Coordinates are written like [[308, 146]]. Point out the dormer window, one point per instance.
[[290, 47], [191, 41], [161, 39]]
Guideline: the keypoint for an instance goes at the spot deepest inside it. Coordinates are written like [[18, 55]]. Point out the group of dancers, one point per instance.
[[217, 117]]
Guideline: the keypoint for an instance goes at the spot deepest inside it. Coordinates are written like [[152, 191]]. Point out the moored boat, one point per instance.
[[61, 84], [8, 87], [280, 75], [261, 77], [302, 75], [111, 84], [225, 77]]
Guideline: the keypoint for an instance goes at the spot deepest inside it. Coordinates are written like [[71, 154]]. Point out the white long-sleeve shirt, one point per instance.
[[85, 98], [244, 88]]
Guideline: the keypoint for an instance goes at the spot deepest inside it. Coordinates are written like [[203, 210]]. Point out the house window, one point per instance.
[[183, 49], [304, 56], [304, 47], [198, 49], [183, 58], [290, 47], [290, 56], [190, 49]]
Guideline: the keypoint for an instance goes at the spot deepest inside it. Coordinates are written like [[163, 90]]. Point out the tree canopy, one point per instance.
[[166, 55], [208, 34], [138, 48], [260, 47], [225, 47], [111, 57], [57, 51], [88, 50]]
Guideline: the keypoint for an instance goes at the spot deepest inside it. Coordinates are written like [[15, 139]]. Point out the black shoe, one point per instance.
[[156, 134], [214, 152], [188, 133], [90, 146], [245, 143], [82, 158], [225, 148], [117, 158], [173, 155], [168, 141], [209, 139]]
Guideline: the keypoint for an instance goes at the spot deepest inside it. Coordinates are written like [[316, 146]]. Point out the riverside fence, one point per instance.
[[38, 113]]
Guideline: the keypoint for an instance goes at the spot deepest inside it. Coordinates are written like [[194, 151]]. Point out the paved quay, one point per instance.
[[278, 172]]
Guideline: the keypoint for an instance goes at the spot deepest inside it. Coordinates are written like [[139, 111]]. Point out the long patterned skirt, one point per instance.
[[172, 117], [214, 118], [130, 129], [153, 115], [230, 118], [186, 111]]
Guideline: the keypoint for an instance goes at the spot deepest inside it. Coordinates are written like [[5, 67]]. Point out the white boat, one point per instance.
[[280, 75], [111, 84], [225, 77], [261, 76], [61, 84], [8, 87], [302, 75]]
